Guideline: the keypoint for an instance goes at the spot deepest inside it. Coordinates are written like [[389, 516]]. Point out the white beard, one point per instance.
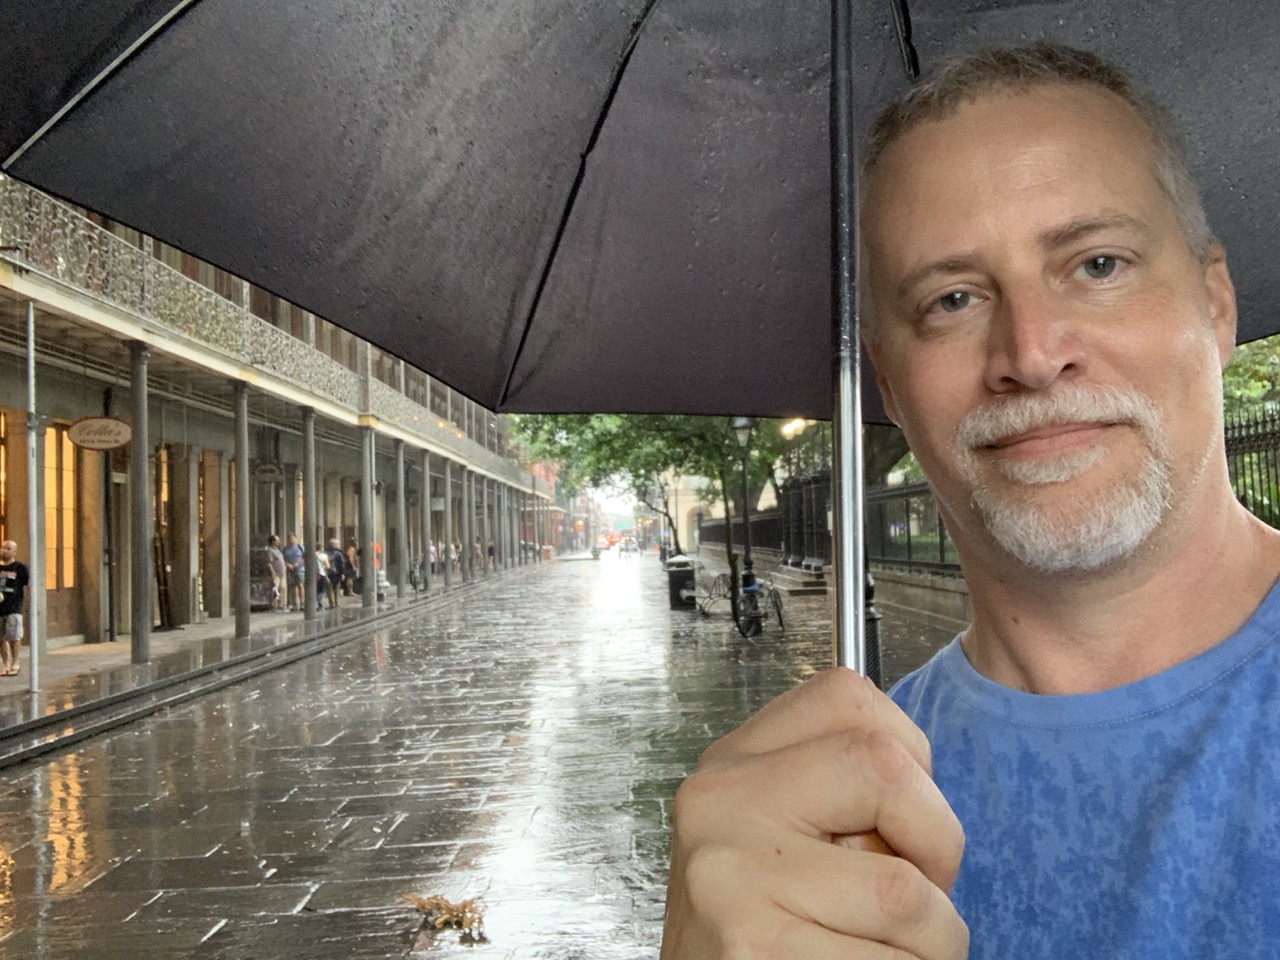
[[1089, 533]]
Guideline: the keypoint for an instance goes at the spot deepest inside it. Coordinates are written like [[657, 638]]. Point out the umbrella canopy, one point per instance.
[[615, 205]]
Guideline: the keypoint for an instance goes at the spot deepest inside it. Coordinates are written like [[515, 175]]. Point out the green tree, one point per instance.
[[1252, 377], [641, 452]]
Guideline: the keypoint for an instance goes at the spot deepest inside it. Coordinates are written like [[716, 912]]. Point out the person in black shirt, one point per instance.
[[13, 583], [337, 570]]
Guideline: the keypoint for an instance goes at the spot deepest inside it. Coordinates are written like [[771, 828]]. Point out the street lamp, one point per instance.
[[742, 427]]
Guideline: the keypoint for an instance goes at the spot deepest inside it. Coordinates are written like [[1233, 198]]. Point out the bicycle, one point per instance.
[[759, 600]]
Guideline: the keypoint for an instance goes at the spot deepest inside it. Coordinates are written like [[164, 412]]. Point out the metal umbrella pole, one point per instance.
[[850, 535]]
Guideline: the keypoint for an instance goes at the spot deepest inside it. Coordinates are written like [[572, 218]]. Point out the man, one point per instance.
[[275, 561], [323, 585], [351, 570], [1049, 317], [294, 564], [337, 570], [14, 578]]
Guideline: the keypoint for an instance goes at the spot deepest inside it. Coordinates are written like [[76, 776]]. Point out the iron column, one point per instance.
[[427, 533], [242, 599], [310, 527], [486, 529], [140, 503], [35, 511], [402, 525], [368, 570]]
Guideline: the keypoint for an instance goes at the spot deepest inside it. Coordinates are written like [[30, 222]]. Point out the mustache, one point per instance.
[[1069, 403]]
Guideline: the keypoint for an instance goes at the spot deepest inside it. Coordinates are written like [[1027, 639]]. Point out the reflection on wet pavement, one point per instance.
[[522, 747]]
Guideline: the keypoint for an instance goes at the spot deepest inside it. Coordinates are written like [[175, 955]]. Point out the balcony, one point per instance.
[[44, 237]]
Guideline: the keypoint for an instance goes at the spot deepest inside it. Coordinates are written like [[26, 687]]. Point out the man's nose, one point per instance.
[[1033, 341]]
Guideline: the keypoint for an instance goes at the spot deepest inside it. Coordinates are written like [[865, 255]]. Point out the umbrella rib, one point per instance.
[[97, 81], [902, 26], [614, 82]]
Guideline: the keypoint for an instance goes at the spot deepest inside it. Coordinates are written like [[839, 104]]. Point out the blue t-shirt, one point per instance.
[[1140, 822]]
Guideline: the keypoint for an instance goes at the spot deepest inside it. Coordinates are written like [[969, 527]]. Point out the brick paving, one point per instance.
[[521, 745]]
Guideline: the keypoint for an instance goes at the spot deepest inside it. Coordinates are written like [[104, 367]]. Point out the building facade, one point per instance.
[[248, 416]]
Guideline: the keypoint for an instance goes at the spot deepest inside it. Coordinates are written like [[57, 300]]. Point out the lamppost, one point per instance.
[[749, 614], [793, 554]]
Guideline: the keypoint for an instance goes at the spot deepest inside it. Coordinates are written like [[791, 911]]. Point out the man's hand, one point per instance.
[[774, 854]]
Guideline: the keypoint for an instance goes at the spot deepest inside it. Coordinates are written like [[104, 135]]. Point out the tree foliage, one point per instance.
[[641, 452], [1252, 378]]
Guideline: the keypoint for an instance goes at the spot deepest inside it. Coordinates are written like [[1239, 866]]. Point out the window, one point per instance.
[[127, 234], [259, 302], [385, 367], [229, 287], [416, 385], [169, 256], [336, 342], [59, 509]]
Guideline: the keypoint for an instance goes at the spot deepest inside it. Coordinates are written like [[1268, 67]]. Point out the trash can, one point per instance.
[[680, 582]]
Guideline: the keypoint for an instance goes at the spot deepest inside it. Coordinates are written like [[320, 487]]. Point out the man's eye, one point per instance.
[[954, 301], [1099, 268]]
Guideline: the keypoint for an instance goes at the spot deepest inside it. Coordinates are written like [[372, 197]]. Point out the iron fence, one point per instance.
[[904, 529], [766, 531], [1253, 457]]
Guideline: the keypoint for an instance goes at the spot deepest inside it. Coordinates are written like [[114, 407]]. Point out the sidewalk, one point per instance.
[[521, 745], [72, 673]]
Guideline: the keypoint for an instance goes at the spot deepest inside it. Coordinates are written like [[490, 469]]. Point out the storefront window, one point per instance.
[[59, 509]]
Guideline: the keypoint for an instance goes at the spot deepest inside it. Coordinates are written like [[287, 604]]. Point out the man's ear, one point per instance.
[[872, 344], [1221, 295]]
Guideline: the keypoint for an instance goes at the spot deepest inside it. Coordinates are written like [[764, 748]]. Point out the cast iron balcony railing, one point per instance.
[[53, 241]]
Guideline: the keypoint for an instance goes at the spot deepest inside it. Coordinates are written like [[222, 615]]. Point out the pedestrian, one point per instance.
[[337, 570], [352, 569], [324, 587], [431, 558], [455, 555], [275, 561], [295, 565], [492, 554], [14, 578], [1049, 317]]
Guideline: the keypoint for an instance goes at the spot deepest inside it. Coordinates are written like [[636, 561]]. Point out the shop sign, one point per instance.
[[100, 433], [269, 472]]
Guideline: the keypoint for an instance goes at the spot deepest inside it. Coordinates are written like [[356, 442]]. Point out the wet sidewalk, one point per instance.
[[521, 745], [73, 674]]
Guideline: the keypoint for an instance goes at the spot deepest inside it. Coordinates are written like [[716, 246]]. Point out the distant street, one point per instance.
[[521, 746]]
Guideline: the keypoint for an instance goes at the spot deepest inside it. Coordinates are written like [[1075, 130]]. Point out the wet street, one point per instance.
[[521, 746]]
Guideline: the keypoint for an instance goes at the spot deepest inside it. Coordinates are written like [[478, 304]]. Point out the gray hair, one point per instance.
[[965, 79]]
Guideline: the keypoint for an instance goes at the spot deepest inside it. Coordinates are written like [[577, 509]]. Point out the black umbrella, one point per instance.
[[619, 205]]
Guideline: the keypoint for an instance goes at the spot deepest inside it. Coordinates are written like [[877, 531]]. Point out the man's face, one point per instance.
[[293, 541], [8, 550], [1042, 333]]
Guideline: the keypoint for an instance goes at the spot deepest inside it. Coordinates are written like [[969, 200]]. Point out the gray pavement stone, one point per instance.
[[522, 746]]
